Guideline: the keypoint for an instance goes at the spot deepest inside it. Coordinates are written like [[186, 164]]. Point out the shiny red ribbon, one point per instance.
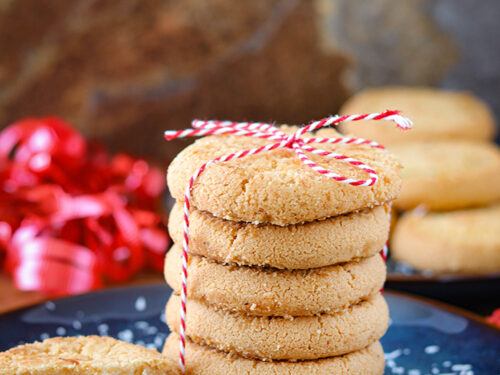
[[71, 216], [494, 318]]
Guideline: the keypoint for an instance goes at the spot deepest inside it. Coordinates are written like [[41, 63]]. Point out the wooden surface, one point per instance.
[[11, 298]]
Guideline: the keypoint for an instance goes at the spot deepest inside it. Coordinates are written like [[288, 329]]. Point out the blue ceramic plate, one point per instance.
[[423, 338]]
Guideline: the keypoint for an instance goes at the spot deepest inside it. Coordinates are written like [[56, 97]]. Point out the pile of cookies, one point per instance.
[[285, 271], [451, 177]]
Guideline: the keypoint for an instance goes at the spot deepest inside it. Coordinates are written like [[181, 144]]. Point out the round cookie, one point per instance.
[[314, 244], [276, 187], [448, 175], [465, 241], [271, 292], [436, 115], [202, 360], [85, 355], [290, 338]]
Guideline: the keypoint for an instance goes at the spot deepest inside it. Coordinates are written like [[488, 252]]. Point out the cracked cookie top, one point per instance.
[[276, 187]]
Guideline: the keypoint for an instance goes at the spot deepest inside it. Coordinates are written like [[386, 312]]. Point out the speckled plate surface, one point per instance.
[[423, 338]]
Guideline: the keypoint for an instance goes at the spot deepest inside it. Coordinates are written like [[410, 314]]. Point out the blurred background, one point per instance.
[[122, 72]]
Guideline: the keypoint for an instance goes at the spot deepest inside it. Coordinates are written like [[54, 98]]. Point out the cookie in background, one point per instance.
[[449, 163], [448, 175], [457, 242], [436, 114]]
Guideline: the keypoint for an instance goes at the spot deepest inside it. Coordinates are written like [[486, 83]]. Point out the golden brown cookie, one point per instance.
[[267, 291], [448, 175], [202, 360], [314, 244], [277, 338], [436, 115], [276, 187], [465, 241], [84, 355]]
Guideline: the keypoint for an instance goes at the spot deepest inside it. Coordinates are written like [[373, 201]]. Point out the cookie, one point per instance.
[[465, 241], [271, 292], [84, 355], [436, 115], [448, 175], [314, 244], [276, 187], [276, 338], [202, 360]]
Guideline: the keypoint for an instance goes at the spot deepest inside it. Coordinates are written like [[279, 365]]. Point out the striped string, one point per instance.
[[279, 139]]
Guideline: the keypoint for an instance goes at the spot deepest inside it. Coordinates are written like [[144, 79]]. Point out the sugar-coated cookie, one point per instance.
[[84, 355], [436, 115], [276, 187], [448, 175], [202, 360], [465, 241], [314, 244], [276, 338], [268, 291]]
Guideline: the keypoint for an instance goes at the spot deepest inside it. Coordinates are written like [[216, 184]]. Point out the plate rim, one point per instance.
[[456, 310], [437, 277], [444, 278]]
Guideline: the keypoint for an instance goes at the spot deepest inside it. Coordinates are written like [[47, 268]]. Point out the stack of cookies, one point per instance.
[[451, 178], [284, 271]]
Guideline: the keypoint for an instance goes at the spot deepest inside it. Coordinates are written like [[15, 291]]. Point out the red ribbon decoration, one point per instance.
[[71, 216], [494, 318]]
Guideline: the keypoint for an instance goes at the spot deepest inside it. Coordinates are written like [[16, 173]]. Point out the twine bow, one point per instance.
[[279, 139]]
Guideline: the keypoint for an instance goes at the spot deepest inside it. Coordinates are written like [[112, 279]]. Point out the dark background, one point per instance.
[[123, 71]]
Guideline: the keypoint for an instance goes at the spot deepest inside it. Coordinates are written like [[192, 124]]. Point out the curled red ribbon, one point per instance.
[[71, 216], [494, 318]]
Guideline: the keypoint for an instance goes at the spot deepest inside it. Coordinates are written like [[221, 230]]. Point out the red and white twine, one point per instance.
[[279, 139]]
